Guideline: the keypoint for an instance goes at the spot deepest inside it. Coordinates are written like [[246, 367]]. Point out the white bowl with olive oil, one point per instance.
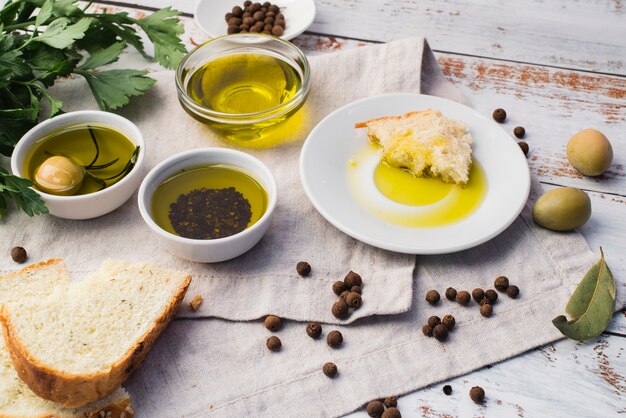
[[84, 164], [209, 204]]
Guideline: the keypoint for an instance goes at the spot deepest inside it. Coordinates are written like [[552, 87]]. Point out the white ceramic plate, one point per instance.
[[209, 15], [334, 142]]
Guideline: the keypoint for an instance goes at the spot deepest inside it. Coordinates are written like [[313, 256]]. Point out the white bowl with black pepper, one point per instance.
[[207, 250]]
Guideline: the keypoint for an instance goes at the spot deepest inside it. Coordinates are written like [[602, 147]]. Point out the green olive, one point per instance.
[[562, 209], [590, 152], [59, 175]]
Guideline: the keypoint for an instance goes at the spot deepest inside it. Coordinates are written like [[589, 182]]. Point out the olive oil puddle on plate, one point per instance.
[[396, 196], [208, 201]]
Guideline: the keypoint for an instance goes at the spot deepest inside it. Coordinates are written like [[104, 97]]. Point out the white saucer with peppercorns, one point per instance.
[[211, 16]]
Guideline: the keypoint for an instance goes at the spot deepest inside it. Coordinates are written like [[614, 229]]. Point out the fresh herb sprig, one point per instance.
[[43, 40]]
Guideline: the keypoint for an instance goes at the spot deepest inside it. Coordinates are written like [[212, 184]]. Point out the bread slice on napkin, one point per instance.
[[81, 343], [16, 399], [425, 142]]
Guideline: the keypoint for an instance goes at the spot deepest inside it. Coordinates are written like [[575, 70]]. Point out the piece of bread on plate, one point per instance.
[[426, 143], [80, 344], [16, 398]]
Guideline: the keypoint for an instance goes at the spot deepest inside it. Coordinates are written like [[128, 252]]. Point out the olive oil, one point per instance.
[[243, 83], [77, 144], [217, 184], [402, 199]]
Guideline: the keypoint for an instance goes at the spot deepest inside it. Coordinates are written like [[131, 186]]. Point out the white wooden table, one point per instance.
[[557, 67]]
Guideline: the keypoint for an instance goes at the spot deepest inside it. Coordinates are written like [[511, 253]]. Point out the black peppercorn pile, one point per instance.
[[256, 18]]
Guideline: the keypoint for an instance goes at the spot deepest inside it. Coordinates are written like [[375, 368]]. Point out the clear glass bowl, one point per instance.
[[263, 128]]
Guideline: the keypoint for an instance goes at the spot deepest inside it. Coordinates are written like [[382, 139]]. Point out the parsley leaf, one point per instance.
[[18, 190], [113, 88], [164, 29], [103, 56], [60, 34]]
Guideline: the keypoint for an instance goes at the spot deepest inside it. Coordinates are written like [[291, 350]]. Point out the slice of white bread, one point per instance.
[[424, 142], [16, 399], [81, 343]]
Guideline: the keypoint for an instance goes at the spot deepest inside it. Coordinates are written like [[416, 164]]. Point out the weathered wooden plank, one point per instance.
[[587, 35]]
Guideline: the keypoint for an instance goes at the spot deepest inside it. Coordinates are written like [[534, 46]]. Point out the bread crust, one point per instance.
[[365, 124], [33, 267], [77, 390]]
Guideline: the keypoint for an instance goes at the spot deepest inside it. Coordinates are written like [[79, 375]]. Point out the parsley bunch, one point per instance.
[[42, 40]]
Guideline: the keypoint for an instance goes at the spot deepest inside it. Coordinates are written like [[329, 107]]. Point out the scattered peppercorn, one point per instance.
[[477, 394], [354, 300], [499, 115], [432, 297], [492, 295], [392, 412], [254, 17], [448, 321], [356, 289], [450, 293], [18, 254], [334, 339], [375, 409], [501, 283], [427, 330], [314, 329], [519, 131], [513, 291], [478, 294], [344, 295], [447, 389], [330, 369], [339, 287], [273, 343], [486, 310], [440, 332], [273, 323], [485, 301], [352, 279], [463, 298], [340, 309], [434, 320], [391, 401], [303, 268], [524, 146]]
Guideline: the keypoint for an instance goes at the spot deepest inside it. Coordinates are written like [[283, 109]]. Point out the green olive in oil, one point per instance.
[[208, 202], [244, 83], [80, 159]]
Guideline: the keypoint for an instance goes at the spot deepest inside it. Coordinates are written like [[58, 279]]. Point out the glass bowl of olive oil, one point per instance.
[[245, 86]]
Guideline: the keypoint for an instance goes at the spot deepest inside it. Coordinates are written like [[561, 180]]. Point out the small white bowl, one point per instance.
[[90, 205], [209, 250]]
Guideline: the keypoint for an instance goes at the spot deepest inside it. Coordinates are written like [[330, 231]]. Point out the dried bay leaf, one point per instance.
[[591, 306]]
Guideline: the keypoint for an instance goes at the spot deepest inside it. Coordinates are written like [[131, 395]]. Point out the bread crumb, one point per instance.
[[195, 302]]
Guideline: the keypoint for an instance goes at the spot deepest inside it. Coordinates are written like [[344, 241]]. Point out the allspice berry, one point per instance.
[[433, 321], [352, 279], [492, 295], [344, 295], [427, 330], [354, 300], [339, 287], [432, 297], [448, 321], [463, 298], [329, 369], [391, 401], [519, 131], [273, 323], [486, 310], [484, 301], [440, 332], [334, 339], [356, 289], [477, 394], [447, 389], [513, 291], [392, 412], [524, 147], [499, 115], [375, 409], [273, 343], [501, 283], [314, 329], [478, 294], [340, 309], [303, 268], [18, 254], [451, 293]]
